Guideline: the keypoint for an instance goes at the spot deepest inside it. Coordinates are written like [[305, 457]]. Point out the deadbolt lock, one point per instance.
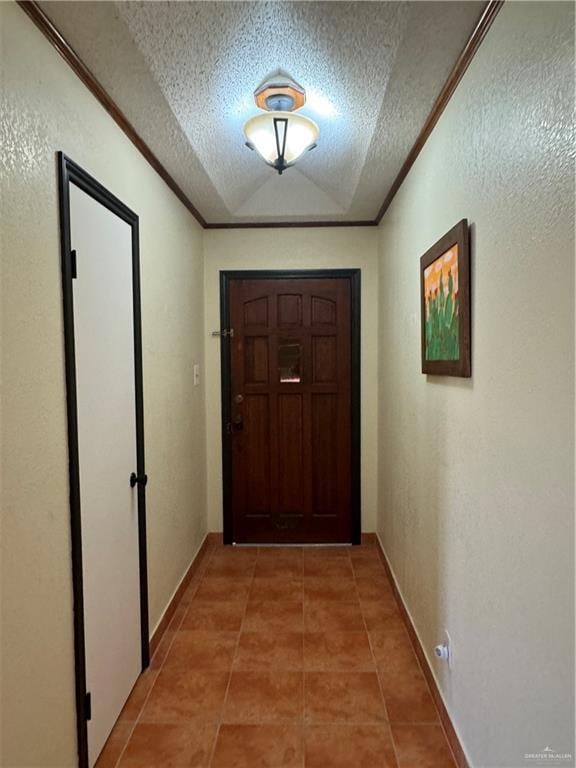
[[239, 399]]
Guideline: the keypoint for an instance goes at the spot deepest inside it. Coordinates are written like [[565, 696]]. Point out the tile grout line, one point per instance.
[[390, 732], [200, 576], [201, 569], [219, 724], [300, 723], [398, 601], [344, 724], [408, 722], [303, 723]]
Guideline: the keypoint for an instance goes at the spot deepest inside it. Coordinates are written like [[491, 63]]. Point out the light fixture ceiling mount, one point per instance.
[[280, 93], [279, 136]]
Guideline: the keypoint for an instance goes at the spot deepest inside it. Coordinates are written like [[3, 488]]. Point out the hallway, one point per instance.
[[298, 277], [283, 658]]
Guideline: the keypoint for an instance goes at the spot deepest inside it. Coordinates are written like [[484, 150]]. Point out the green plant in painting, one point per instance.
[[442, 323]]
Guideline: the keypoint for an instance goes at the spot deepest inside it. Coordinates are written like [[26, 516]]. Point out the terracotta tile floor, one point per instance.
[[282, 658]]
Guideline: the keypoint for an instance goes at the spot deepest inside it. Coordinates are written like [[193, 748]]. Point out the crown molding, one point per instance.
[[291, 224], [489, 13], [483, 25], [33, 10]]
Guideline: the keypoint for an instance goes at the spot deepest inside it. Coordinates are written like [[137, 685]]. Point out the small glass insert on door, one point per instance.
[[290, 361]]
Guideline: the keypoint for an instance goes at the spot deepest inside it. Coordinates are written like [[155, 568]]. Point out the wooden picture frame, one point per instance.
[[445, 304]]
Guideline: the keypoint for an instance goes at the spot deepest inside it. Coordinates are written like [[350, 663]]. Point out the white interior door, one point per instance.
[[104, 350]]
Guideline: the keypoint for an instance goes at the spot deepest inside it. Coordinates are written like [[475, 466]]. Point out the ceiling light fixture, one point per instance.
[[279, 136]]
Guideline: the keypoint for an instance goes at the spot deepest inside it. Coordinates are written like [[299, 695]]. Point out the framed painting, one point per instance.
[[445, 304]]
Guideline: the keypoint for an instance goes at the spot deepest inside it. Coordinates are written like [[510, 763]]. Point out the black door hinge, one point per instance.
[[141, 480], [88, 706], [73, 264]]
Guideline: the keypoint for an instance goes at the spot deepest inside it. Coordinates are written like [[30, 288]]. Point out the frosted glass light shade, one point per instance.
[[301, 134]]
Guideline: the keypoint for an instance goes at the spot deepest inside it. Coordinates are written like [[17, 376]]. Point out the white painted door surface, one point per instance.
[[104, 348]]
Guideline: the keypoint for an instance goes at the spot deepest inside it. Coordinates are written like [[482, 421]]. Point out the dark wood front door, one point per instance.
[[290, 415]]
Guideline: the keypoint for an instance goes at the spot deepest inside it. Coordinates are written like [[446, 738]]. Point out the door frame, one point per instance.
[[354, 276], [71, 173]]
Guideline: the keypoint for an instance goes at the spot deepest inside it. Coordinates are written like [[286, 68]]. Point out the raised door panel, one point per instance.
[[256, 312], [324, 360], [254, 447], [323, 311], [256, 359], [290, 436], [324, 431], [289, 310]]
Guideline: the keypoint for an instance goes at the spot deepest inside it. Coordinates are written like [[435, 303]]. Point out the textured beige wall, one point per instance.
[[476, 495], [476, 476], [293, 249], [46, 108]]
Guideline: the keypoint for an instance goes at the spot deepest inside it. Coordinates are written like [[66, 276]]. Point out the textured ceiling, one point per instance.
[[184, 73]]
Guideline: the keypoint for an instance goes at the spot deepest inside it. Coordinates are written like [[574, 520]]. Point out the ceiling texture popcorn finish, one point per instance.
[[183, 74]]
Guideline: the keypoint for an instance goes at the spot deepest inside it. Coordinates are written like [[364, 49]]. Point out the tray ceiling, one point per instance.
[[184, 73]]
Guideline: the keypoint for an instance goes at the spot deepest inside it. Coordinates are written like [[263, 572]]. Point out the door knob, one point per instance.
[[238, 422], [143, 479]]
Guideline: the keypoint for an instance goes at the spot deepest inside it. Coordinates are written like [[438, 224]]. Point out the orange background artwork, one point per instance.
[[444, 264]]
